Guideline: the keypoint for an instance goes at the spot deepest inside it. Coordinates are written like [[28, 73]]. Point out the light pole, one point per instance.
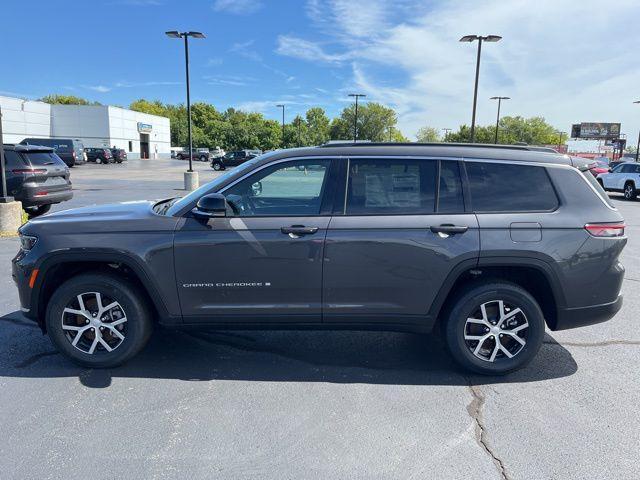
[[480, 39], [355, 120], [560, 135], [189, 179], [638, 146], [446, 132], [298, 125], [498, 116], [282, 107], [4, 198]]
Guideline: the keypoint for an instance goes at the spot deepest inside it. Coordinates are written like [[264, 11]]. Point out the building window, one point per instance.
[[130, 146]]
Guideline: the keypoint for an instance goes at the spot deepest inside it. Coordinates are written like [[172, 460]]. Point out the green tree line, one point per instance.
[[234, 129]]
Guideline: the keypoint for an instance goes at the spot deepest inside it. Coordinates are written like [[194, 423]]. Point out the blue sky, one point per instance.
[[565, 60]]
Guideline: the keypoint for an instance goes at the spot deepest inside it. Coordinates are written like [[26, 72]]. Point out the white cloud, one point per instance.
[[306, 50], [244, 49], [154, 83], [98, 88], [565, 62], [237, 7]]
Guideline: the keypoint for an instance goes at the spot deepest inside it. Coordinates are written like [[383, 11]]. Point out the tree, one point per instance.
[[532, 131], [317, 125], [428, 135], [66, 100], [374, 122]]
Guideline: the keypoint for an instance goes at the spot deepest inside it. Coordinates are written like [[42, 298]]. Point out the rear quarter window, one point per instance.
[[597, 187], [503, 187]]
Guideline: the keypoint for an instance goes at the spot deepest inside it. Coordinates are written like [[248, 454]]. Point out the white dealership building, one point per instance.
[[139, 134]]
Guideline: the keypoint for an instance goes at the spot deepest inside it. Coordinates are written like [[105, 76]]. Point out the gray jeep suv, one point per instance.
[[489, 243]]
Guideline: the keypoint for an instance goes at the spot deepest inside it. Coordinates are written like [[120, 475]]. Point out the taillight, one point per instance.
[[41, 193], [74, 154], [29, 170], [605, 229]]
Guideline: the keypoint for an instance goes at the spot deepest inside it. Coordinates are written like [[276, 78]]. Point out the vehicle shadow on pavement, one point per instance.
[[279, 356]]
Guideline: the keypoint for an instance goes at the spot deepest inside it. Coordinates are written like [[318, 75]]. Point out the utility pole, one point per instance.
[[4, 198], [355, 120]]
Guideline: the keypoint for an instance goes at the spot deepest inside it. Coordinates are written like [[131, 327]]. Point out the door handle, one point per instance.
[[299, 230], [449, 229]]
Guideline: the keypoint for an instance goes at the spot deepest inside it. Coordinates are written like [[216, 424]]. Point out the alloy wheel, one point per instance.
[[628, 191], [496, 331], [94, 323]]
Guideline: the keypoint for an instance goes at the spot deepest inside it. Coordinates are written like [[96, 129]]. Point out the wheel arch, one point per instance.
[[59, 267], [532, 274]]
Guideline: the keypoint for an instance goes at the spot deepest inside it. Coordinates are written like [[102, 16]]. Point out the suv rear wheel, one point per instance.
[[494, 328], [98, 320], [630, 192]]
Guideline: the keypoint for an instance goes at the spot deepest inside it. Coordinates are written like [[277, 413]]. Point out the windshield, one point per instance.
[[179, 203]]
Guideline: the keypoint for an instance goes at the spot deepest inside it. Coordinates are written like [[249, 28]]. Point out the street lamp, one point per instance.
[[446, 132], [186, 35], [498, 116], [638, 147], [355, 120], [298, 125], [282, 107], [480, 39], [560, 135], [4, 198]]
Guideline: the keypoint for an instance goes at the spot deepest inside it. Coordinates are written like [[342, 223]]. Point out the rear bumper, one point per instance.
[[30, 200], [583, 316]]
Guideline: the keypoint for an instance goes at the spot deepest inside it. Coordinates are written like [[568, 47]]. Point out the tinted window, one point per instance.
[[450, 198], [499, 187], [391, 186], [628, 168], [42, 159], [291, 188], [12, 160], [617, 168]]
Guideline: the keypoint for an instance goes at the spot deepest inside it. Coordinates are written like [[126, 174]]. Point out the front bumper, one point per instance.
[[583, 316], [21, 269]]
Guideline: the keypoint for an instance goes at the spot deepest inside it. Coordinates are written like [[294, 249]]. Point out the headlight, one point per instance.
[[27, 242]]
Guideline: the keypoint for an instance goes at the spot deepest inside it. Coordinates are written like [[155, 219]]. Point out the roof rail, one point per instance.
[[348, 143]]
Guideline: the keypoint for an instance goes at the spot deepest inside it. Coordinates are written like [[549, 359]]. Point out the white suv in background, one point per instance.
[[625, 178]]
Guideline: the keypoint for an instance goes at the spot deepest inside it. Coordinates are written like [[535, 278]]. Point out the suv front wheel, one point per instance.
[[630, 192], [494, 328], [98, 320]]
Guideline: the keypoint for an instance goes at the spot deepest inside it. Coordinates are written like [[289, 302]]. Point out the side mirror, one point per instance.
[[211, 206]]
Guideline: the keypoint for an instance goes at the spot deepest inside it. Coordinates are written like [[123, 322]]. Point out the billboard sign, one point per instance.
[[598, 131]]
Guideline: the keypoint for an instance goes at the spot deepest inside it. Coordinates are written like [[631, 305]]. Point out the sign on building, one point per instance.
[[144, 127]]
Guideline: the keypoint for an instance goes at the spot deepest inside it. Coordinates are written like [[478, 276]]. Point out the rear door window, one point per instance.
[[12, 160], [502, 187], [391, 187], [450, 197]]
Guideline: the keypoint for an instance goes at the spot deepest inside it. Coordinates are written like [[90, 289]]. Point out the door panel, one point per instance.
[[385, 267], [265, 263], [247, 269]]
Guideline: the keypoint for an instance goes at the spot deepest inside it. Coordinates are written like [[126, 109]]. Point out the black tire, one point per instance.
[[180, 157], [203, 158], [630, 192], [468, 303], [217, 166], [134, 307], [33, 212]]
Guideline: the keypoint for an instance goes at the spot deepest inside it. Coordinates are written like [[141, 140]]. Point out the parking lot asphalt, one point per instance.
[[313, 404]]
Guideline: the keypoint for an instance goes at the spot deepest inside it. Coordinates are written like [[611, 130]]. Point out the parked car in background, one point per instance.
[[198, 154], [598, 167], [624, 178], [233, 159], [37, 177], [69, 150], [99, 155], [119, 154]]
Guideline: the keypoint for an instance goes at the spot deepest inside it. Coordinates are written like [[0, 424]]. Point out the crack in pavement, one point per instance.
[[604, 343], [475, 410], [34, 358]]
